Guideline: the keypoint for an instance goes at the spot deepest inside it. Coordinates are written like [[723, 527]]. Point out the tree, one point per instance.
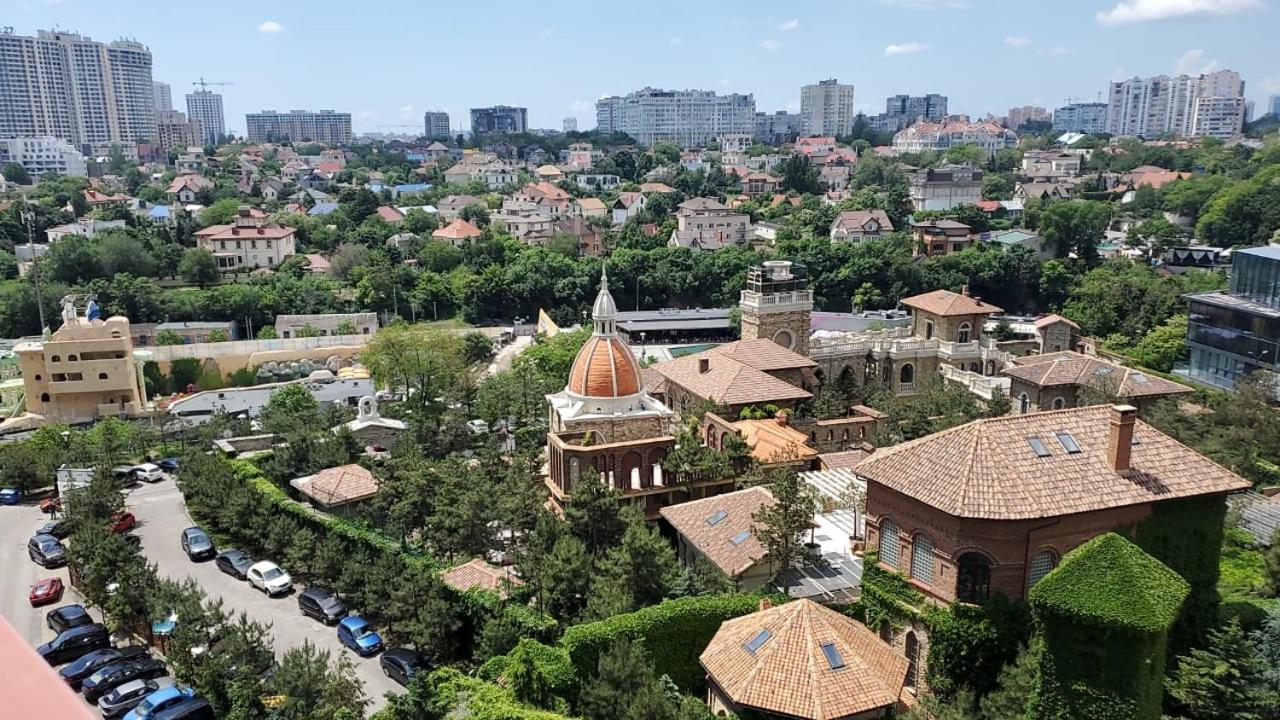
[[346, 258], [799, 175], [643, 568], [780, 526], [314, 688], [625, 687], [423, 362], [267, 332], [1075, 227], [526, 679], [119, 251], [292, 408], [71, 260], [16, 173], [1225, 680], [168, 337], [592, 514], [218, 335], [346, 327], [1015, 685], [198, 267], [476, 348], [1163, 346], [564, 576]]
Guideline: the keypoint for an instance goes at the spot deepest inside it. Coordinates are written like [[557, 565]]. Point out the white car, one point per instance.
[[148, 472], [269, 578]]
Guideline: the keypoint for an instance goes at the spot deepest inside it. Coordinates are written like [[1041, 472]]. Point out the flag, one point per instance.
[[91, 311]]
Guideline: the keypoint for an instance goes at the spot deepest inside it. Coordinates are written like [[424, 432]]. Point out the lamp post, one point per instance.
[[29, 220], [642, 355]]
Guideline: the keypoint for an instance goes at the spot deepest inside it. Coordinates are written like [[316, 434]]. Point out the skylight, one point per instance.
[[1104, 370], [1038, 446], [760, 639], [1068, 443], [833, 656], [1138, 378], [740, 537], [716, 518]]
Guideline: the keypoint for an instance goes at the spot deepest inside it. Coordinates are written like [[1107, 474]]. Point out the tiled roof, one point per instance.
[[1051, 319], [763, 354], [1072, 368], [773, 442], [804, 660], [479, 574], [1259, 514], [268, 231], [390, 214], [844, 459], [850, 219], [988, 468], [590, 203], [711, 524], [736, 373], [604, 368], [945, 302], [338, 485], [656, 187], [459, 229]]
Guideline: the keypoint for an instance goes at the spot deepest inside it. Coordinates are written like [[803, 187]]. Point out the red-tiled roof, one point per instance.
[[459, 229], [945, 302], [478, 574], [711, 524], [1072, 368]]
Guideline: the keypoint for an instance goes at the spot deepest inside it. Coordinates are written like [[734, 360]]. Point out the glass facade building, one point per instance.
[[1232, 334]]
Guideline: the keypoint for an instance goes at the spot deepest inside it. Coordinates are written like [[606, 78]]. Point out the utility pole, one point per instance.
[[29, 219]]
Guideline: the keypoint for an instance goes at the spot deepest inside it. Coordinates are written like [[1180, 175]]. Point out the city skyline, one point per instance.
[[723, 47]]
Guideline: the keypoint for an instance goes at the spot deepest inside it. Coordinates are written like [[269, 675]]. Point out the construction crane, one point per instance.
[[204, 86]]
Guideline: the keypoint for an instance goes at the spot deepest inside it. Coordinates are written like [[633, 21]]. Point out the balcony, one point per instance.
[[797, 299], [981, 385]]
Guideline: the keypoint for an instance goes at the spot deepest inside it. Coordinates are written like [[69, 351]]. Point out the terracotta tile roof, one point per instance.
[[808, 662], [850, 219], [592, 204], [628, 198], [268, 231], [737, 373], [843, 460], [763, 354], [459, 229], [656, 187], [773, 442], [711, 524], [1072, 368], [992, 471], [390, 214], [195, 183], [604, 368], [338, 485], [945, 302], [479, 574], [1051, 319]]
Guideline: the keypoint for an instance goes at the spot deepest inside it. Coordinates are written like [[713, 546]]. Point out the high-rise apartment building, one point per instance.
[[205, 107], [778, 127], [1233, 333], [902, 110], [688, 118], [499, 119], [42, 155], [826, 109], [323, 126], [1087, 118], [436, 125], [1273, 105], [1209, 105], [176, 131], [1019, 116], [570, 124], [163, 96], [67, 86]]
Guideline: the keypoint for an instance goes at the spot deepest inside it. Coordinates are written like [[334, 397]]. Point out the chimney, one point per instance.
[[977, 301], [964, 289], [765, 603], [1120, 442], [704, 365]]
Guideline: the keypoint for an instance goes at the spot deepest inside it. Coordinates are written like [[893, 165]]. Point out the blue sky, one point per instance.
[[386, 62]]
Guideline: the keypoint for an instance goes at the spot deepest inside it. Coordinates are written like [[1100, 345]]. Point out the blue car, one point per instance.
[[357, 634], [10, 496], [161, 699]]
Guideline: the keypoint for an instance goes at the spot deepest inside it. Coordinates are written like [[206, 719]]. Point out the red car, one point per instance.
[[123, 522], [46, 591]]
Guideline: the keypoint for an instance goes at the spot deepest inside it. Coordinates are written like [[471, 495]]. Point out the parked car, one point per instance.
[[132, 539], [197, 545], [112, 676], [357, 634], [90, 663], [269, 578], [196, 708], [322, 605], [10, 496], [48, 590], [169, 464], [47, 551], [235, 563], [148, 472], [400, 664], [125, 474], [126, 697], [123, 522], [66, 617], [57, 528], [72, 644], [161, 700]]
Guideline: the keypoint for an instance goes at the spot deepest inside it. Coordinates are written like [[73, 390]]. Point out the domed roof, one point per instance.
[[604, 368]]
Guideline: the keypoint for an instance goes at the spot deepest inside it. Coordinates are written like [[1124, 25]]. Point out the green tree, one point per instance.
[[168, 337], [592, 514], [16, 173], [292, 408], [643, 567], [1163, 346], [71, 260], [346, 327], [625, 687], [218, 335], [317, 687], [1015, 685], [267, 332], [476, 348], [1075, 227], [780, 526], [799, 175], [1225, 680], [564, 577], [198, 267]]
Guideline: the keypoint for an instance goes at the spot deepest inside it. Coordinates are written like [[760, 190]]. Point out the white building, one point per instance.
[[945, 187], [205, 107], [163, 97], [327, 389], [1208, 105], [688, 118], [87, 227], [323, 126], [570, 124], [365, 323], [249, 242], [41, 155], [954, 133], [826, 109], [1087, 118], [436, 124]]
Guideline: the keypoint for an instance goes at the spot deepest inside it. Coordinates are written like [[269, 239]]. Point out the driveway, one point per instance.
[[17, 574], [162, 516]]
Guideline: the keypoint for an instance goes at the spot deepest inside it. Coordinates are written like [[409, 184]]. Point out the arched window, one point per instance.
[[44, 397], [1024, 404], [844, 435], [907, 374], [975, 367], [72, 358], [831, 435], [922, 558], [1041, 563], [962, 335], [886, 632], [1059, 403], [862, 433], [884, 373], [56, 358], [973, 578], [991, 368], [890, 543], [37, 377], [913, 660], [102, 376]]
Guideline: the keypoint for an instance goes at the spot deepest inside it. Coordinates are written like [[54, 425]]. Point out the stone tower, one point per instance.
[[776, 304]]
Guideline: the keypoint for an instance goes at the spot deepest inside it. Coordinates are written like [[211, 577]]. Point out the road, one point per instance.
[[162, 516], [18, 574], [507, 355]]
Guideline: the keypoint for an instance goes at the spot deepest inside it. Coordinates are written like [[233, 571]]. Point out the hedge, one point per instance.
[[552, 662], [455, 695]]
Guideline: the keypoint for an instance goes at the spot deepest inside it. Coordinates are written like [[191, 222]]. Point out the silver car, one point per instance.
[[124, 698]]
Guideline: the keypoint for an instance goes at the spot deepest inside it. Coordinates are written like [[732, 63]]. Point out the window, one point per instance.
[[1041, 563], [928, 329], [102, 376], [907, 374], [72, 358], [740, 537], [962, 335], [1059, 403], [1037, 445], [1024, 404], [913, 660], [922, 558], [1068, 443], [716, 518], [44, 397], [890, 543], [973, 578], [56, 358], [760, 639], [832, 653]]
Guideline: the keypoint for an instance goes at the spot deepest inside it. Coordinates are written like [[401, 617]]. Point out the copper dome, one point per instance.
[[604, 368]]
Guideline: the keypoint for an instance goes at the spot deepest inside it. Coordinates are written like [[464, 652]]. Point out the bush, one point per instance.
[[552, 662], [447, 693]]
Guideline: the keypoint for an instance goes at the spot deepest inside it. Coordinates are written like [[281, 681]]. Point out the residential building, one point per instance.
[[191, 331], [1019, 116], [69, 87], [337, 486], [1006, 239], [826, 108], [1050, 164], [173, 129], [499, 119], [1234, 333], [778, 127], [364, 323], [1043, 191], [946, 134], [1273, 105], [688, 118], [589, 239], [902, 110], [803, 661], [570, 124], [458, 233], [205, 107], [628, 204], [248, 242], [945, 187], [1089, 118], [1066, 379], [42, 155], [436, 125], [162, 96], [760, 183], [935, 238], [597, 183], [452, 205], [345, 389], [323, 126], [85, 370], [854, 226], [707, 224], [751, 372], [589, 207], [479, 575], [88, 227], [192, 160], [1208, 105]]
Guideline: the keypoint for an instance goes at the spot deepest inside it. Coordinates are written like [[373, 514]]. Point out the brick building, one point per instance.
[[1067, 379]]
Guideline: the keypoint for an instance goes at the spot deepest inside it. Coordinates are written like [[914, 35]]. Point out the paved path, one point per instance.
[[17, 574]]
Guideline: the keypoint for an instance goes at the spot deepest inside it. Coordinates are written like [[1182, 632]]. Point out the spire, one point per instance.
[[604, 311]]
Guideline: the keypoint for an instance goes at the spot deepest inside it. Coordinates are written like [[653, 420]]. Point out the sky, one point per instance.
[[387, 61]]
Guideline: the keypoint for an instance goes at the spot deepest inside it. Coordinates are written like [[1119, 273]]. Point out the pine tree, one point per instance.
[[625, 687], [1225, 680], [1009, 700], [593, 513], [780, 526]]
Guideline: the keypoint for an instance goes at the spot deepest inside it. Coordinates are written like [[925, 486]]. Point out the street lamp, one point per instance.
[[641, 346]]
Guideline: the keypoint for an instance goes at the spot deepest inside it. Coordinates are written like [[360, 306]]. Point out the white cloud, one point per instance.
[[406, 110], [1271, 84], [674, 40], [1136, 11], [1017, 41], [581, 106], [1191, 63], [724, 82], [770, 44], [791, 24], [927, 4], [270, 26], [1119, 72], [792, 106], [905, 48]]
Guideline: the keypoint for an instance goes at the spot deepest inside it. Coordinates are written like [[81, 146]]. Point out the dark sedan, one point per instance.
[[235, 563], [197, 545], [76, 672], [67, 617], [400, 664], [60, 529], [109, 677]]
